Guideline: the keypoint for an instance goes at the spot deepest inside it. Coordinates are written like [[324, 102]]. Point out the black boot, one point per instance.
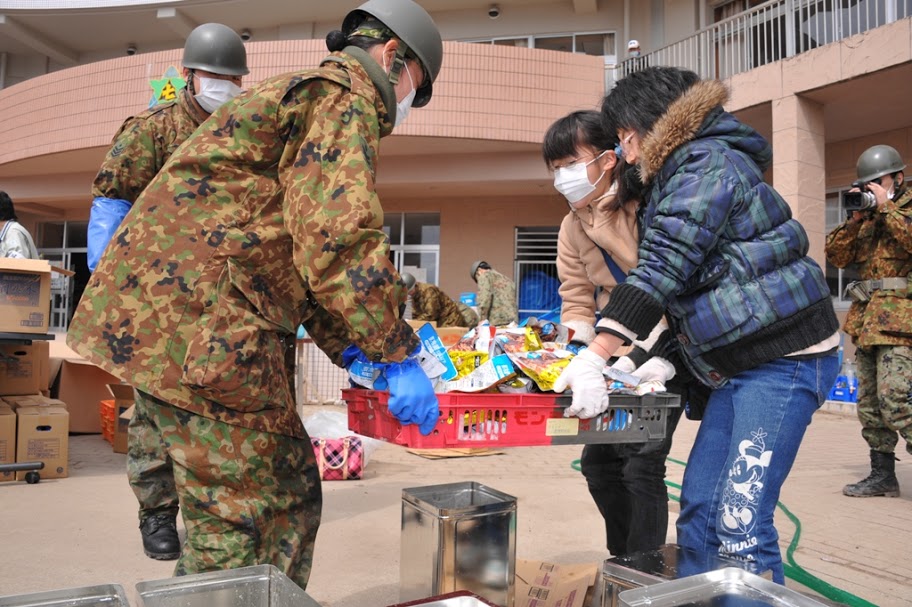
[[881, 481], [159, 536]]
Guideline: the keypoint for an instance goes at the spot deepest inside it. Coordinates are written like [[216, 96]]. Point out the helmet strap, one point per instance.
[[398, 63], [190, 88]]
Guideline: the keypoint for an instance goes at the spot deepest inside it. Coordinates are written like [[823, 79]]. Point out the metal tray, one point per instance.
[[255, 586], [729, 587], [461, 598], [106, 595]]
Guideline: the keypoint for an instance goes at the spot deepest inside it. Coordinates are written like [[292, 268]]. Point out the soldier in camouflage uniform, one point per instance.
[[496, 295], [265, 218], [879, 240], [429, 303], [214, 61]]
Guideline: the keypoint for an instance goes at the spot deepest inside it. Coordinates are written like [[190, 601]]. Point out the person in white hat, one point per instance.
[[633, 48]]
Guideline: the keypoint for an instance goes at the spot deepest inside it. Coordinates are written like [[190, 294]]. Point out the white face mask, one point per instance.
[[573, 181], [214, 93]]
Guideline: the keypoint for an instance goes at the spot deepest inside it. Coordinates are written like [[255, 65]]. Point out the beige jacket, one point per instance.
[[581, 266]]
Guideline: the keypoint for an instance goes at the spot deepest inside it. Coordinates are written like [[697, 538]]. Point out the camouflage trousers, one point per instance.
[[885, 396], [149, 467], [247, 497]]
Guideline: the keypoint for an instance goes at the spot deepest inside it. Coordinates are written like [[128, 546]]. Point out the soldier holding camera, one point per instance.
[[877, 235]]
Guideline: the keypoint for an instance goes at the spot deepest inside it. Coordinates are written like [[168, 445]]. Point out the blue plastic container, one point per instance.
[[468, 298]]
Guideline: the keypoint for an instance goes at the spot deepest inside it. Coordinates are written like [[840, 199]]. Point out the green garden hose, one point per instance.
[[793, 570]]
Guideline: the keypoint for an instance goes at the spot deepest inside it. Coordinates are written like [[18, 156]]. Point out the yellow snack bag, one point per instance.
[[542, 366], [467, 361]]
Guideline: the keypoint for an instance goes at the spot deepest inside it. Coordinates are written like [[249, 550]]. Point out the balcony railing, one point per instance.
[[769, 32]]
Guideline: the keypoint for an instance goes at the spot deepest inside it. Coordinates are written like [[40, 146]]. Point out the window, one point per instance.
[[64, 244], [537, 283], [836, 278], [415, 244], [599, 44]]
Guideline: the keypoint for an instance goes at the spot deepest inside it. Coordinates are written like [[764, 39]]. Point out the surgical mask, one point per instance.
[[634, 53], [573, 181], [403, 107], [214, 93]]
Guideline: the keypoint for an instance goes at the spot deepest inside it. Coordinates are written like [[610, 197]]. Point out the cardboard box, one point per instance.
[[23, 369], [80, 384], [43, 436], [450, 335], [417, 324], [541, 584], [7, 440], [25, 295], [123, 403], [32, 400]]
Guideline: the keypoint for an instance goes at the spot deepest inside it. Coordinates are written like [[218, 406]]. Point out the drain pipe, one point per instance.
[[3, 58]]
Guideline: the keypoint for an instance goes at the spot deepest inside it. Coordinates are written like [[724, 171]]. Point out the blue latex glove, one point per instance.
[[351, 354], [104, 219], [412, 398]]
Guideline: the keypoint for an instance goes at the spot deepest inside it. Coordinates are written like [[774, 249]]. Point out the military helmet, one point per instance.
[[215, 48], [409, 280], [877, 161], [478, 264], [414, 26]]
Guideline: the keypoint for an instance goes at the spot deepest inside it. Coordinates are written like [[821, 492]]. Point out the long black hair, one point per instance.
[[640, 99], [7, 211], [584, 127]]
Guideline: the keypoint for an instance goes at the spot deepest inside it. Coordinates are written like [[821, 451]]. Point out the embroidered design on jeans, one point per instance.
[[742, 491]]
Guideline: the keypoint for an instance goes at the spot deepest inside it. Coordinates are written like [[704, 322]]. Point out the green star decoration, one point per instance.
[[165, 89]]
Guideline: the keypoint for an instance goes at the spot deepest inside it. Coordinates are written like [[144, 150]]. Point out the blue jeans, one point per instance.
[[743, 452]]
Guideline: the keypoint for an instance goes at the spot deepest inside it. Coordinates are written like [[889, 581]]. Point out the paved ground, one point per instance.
[[82, 530]]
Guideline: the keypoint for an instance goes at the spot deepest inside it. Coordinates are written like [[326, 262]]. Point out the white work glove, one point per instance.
[[655, 369], [624, 365], [584, 376]]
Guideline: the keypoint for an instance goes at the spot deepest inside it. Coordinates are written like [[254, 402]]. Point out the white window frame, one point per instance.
[[610, 59]]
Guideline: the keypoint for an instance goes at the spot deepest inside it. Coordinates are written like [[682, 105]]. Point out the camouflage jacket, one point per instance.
[[496, 298], [430, 303], [266, 218], [143, 144], [881, 245]]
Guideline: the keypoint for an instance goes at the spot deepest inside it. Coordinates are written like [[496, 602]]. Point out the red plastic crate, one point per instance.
[[512, 420]]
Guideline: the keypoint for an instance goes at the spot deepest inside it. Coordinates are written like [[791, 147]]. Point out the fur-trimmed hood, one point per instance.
[[679, 124]]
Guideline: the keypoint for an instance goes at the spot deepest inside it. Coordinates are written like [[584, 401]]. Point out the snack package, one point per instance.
[[484, 338], [466, 344], [367, 375], [517, 385], [466, 362], [434, 348], [542, 366], [550, 331], [486, 376]]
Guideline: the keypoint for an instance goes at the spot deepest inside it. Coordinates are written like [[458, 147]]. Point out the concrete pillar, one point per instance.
[[799, 165]]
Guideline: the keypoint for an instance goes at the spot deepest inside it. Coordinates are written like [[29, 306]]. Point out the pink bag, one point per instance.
[[339, 459]]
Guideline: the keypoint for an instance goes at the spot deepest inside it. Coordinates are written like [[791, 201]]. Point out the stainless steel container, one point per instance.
[[106, 595], [256, 586], [462, 598], [650, 567], [459, 536], [729, 586]]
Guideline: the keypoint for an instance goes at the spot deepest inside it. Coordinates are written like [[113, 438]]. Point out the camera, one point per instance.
[[859, 201], [494, 11], [131, 50], [246, 35]]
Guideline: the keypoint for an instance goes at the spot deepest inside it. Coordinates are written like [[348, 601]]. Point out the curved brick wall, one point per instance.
[[483, 92]]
